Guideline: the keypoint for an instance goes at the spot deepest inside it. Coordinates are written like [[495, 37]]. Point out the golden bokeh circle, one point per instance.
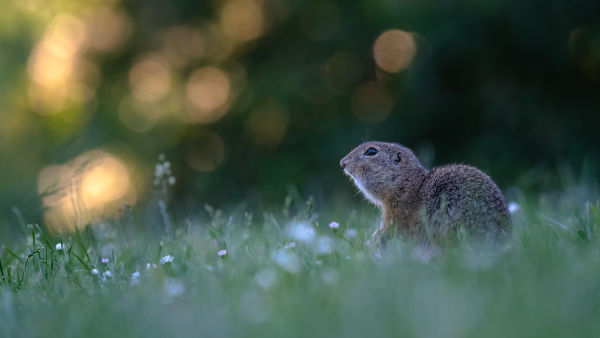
[[394, 50]]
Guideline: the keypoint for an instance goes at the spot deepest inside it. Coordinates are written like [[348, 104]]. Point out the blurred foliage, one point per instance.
[[246, 97]]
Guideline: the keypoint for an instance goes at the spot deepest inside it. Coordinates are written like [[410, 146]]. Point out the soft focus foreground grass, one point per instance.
[[544, 283]]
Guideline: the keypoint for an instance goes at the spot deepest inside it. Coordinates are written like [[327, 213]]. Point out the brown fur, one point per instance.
[[429, 205]]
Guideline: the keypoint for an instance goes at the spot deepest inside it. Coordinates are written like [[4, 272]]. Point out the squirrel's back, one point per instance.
[[458, 196]]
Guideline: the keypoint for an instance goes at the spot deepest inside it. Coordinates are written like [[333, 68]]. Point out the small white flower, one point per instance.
[[171, 180], [104, 260], [135, 278], [159, 170], [222, 253], [334, 225], [324, 245], [266, 278], [173, 287], [513, 207], [95, 271], [286, 260], [330, 276], [351, 233], [59, 246], [147, 266], [107, 274], [161, 157], [302, 231], [290, 245], [166, 259]]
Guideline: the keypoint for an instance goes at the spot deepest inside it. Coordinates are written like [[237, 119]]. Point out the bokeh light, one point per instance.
[[107, 28], [150, 78], [53, 62], [206, 152], [372, 102], [242, 20], [394, 50], [93, 185], [106, 180], [208, 90]]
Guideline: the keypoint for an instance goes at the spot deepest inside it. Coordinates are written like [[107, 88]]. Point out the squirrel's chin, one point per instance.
[[361, 186]]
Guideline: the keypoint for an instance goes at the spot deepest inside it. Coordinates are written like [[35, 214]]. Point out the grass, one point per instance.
[[544, 283]]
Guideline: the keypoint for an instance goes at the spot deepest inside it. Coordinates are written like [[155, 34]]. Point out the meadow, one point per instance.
[[251, 229], [303, 269]]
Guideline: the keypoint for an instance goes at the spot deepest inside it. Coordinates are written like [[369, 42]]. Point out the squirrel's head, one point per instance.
[[379, 169]]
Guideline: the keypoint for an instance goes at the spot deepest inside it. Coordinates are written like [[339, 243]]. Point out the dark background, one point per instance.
[[512, 87]]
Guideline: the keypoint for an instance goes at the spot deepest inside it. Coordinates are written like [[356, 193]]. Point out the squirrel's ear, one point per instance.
[[398, 158]]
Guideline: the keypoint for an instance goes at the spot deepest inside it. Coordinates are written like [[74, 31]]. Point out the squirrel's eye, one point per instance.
[[371, 152]]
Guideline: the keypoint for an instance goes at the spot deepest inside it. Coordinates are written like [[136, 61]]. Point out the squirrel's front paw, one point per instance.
[[378, 239]]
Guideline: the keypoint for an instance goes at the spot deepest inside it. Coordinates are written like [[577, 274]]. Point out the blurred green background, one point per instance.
[[248, 98]]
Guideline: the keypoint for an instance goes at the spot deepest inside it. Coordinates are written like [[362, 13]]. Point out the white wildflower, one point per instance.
[[302, 231], [171, 180], [107, 274], [334, 225], [166, 259], [330, 276], [351, 233], [59, 246], [222, 253], [95, 271], [135, 278], [324, 245], [104, 260], [513, 207], [266, 278], [290, 245], [159, 170], [286, 260], [173, 287]]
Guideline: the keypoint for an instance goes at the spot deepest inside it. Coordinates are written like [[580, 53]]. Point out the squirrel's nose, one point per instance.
[[343, 163]]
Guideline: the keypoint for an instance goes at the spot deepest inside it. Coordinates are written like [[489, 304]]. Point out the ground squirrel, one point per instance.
[[429, 205]]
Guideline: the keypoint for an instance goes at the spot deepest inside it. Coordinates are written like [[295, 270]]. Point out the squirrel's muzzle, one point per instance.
[[343, 163]]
